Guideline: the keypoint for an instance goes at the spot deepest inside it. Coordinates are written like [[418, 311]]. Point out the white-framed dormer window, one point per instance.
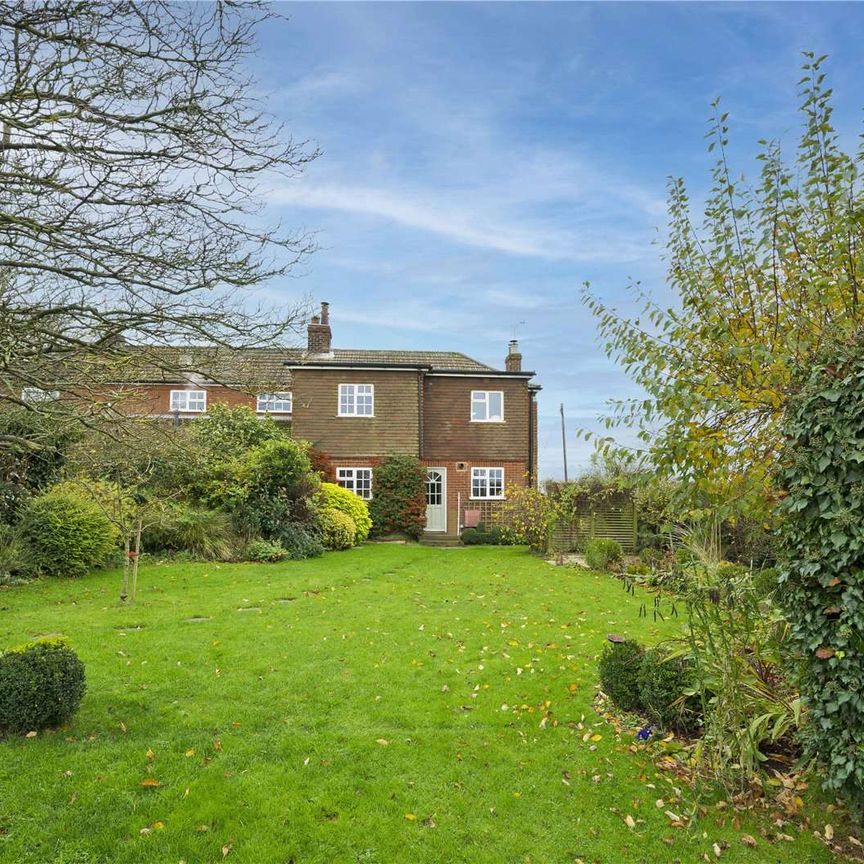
[[487, 482], [189, 401], [357, 480], [356, 400], [487, 406], [273, 403], [35, 395]]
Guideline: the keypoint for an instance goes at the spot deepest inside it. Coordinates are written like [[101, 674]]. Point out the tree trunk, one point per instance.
[[124, 591], [136, 556]]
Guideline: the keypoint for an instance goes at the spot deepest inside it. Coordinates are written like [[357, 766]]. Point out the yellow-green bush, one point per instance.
[[334, 497], [337, 529]]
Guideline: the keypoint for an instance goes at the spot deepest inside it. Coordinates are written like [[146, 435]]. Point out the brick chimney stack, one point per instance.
[[513, 363], [319, 335]]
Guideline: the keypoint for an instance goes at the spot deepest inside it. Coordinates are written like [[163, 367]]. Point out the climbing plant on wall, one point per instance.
[[822, 581]]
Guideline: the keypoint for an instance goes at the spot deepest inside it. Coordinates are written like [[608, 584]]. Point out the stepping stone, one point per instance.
[[197, 619], [249, 609]]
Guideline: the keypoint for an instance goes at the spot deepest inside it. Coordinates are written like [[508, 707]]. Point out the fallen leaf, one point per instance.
[[226, 849], [31, 734], [410, 817], [717, 850], [150, 783], [749, 840], [189, 753], [150, 755], [829, 832], [629, 821], [382, 741]]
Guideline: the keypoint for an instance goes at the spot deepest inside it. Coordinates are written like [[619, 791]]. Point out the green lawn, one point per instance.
[[367, 706]]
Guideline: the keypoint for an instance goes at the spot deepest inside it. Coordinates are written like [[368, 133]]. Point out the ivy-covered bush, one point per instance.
[[619, 673], [601, 553], [663, 680], [263, 551], [526, 516], [337, 498], [822, 565], [41, 686], [398, 505], [65, 535], [337, 529], [206, 534]]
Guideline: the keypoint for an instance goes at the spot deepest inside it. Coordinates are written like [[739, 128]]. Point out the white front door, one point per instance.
[[436, 499]]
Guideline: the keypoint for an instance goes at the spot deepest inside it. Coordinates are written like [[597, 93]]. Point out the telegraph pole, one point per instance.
[[564, 442]]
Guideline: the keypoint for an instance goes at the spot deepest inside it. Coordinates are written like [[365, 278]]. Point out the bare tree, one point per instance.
[[134, 157]]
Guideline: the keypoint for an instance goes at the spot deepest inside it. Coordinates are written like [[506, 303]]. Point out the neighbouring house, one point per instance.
[[473, 426]]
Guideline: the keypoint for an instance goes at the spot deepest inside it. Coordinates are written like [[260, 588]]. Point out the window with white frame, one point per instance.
[[357, 480], [487, 482], [273, 403], [35, 395], [191, 401], [356, 400], [487, 406]]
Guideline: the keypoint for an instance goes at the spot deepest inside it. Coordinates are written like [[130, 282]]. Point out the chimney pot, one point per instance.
[[513, 362], [318, 333]]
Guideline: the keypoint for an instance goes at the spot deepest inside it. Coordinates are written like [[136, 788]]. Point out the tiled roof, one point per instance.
[[438, 360], [168, 364]]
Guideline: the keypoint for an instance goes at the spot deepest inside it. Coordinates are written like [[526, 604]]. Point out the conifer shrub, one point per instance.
[[65, 535], [41, 686]]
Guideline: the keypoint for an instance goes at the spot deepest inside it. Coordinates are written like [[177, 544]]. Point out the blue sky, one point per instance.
[[481, 161]]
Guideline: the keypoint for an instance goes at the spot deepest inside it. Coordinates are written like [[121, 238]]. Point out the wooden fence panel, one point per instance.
[[608, 521]]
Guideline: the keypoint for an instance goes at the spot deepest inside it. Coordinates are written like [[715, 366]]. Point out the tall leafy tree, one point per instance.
[[773, 273]]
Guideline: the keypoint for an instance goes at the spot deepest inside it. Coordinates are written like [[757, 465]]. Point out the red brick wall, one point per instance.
[[459, 488]]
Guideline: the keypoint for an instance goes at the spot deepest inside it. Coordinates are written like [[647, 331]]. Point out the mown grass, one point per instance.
[[355, 713]]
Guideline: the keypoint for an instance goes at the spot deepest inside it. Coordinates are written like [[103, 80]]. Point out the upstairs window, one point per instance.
[[35, 395], [357, 480], [487, 482], [189, 401], [356, 400], [273, 403], [487, 406]]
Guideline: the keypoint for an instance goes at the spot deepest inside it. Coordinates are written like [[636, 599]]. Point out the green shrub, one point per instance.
[[41, 686], [26, 471], [337, 498], [13, 562], [526, 516], [337, 529], [222, 430], [399, 502], [299, 541], [766, 581], [619, 673], [274, 485], [206, 534], [662, 681], [264, 551], [63, 535], [481, 536], [600, 553]]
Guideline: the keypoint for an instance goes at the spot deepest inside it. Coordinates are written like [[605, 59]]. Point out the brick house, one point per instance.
[[473, 426]]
